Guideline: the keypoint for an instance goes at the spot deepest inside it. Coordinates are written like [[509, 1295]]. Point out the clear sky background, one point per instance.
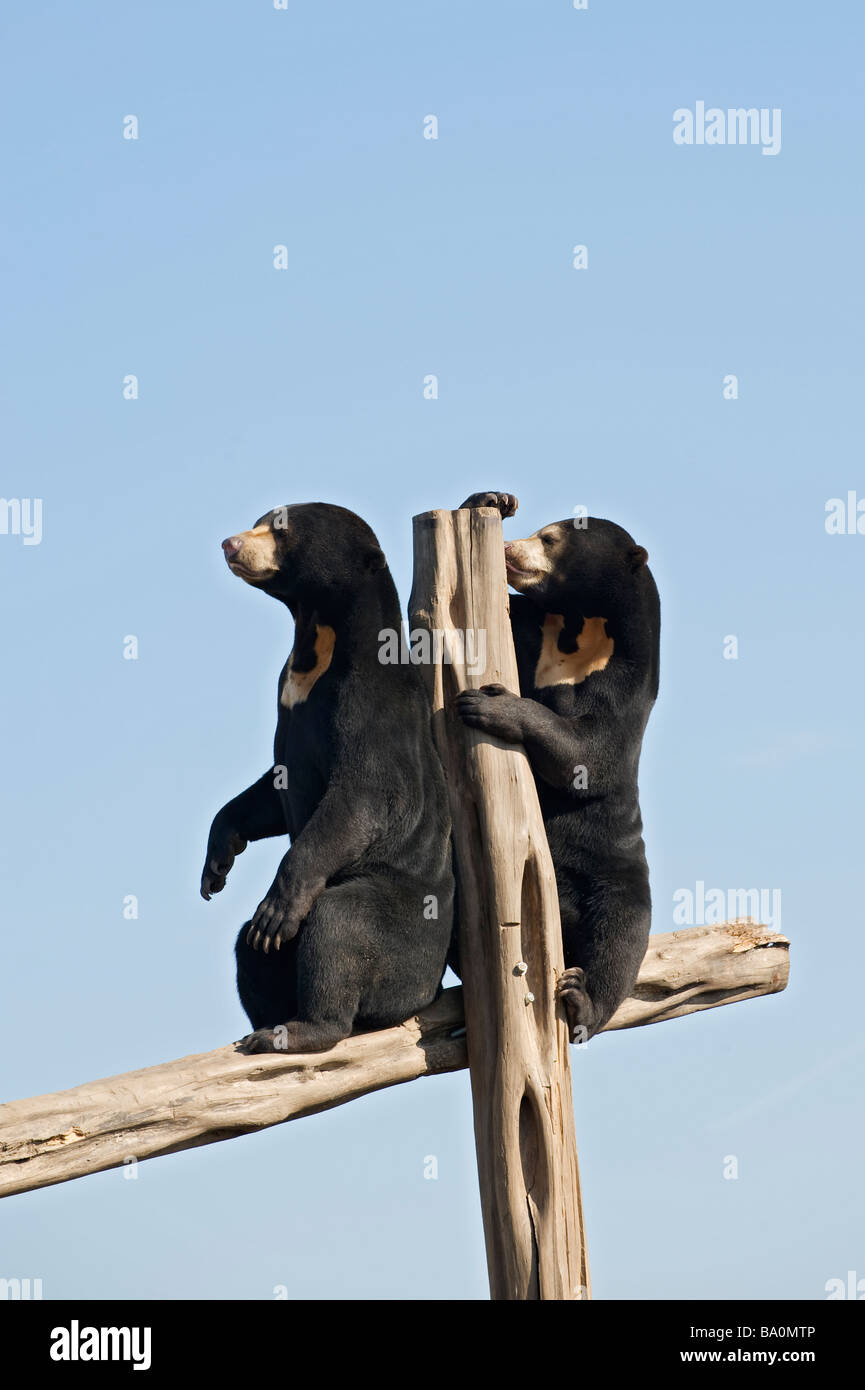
[[600, 387]]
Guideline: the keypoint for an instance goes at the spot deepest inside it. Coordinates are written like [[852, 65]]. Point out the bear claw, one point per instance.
[[571, 993], [505, 501], [262, 1040]]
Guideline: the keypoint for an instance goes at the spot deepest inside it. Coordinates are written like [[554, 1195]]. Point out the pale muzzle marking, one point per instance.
[[257, 558]]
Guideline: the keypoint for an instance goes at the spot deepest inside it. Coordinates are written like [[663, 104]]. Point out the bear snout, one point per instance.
[[524, 560], [252, 555], [511, 557]]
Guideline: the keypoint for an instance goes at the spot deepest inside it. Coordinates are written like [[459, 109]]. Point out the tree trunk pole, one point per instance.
[[510, 937]]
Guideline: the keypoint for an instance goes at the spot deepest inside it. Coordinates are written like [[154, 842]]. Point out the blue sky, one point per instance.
[[600, 387]]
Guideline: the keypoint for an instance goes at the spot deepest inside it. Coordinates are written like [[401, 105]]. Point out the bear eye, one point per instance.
[[547, 540]]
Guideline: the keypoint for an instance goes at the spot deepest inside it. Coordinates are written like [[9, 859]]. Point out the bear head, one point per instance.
[[585, 566], [306, 552]]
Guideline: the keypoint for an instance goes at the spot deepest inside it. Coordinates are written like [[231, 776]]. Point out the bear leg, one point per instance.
[[328, 959], [267, 984], [604, 944]]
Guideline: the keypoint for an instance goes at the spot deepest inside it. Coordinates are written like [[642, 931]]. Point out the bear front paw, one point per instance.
[[505, 501], [276, 920], [492, 710], [222, 850]]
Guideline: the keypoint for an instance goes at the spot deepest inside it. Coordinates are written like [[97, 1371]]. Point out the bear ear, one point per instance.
[[374, 559], [637, 557]]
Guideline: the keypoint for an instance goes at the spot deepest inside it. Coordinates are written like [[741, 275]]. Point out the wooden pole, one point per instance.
[[219, 1095], [510, 935]]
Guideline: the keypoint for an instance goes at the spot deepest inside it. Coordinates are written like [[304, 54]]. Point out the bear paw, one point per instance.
[[504, 501], [277, 919], [262, 1040], [222, 849], [492, 710], [297, 1035], [572, 994]]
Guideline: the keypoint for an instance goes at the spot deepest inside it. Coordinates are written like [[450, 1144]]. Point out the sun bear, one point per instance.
[[586, 625], [359, 916]]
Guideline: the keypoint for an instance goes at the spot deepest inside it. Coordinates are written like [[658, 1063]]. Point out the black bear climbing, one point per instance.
[[359, 915], [586, 626]]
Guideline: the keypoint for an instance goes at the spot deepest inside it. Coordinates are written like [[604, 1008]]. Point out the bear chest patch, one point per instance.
[[566, 659], [306, 667]]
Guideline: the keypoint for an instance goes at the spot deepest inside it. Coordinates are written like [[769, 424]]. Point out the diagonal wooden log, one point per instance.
[[509, 930], [219, 1095]]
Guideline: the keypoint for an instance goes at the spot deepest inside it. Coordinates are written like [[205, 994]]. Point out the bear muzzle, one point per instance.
[[252, 554], [525, 562]]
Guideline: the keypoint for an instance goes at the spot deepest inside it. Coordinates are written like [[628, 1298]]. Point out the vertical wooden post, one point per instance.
[[510, 938]]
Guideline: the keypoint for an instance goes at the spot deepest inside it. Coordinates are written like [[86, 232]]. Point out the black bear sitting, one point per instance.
[[586, 626], [360, 912]]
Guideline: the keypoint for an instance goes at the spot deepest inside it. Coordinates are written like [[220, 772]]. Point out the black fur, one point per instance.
[[597, 571], [344, 938]]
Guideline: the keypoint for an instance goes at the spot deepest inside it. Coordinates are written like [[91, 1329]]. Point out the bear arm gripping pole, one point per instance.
[[557, 747]]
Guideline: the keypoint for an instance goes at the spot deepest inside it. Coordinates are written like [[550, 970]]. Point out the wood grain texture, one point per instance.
[[509, 929], [212, 1096], [219, 1095]]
